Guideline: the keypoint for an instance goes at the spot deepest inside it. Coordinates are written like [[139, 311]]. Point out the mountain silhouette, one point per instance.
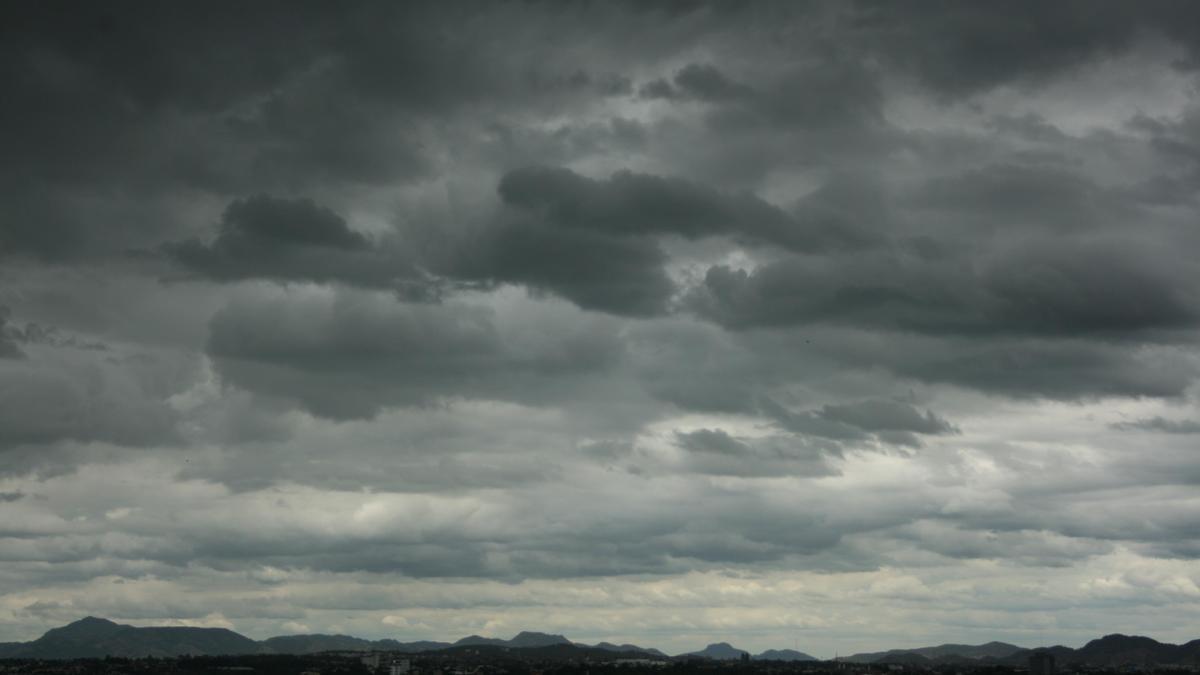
[[946, 652], [610, 647], [94, 637], [475, 640], [312, 644], [718, 651], [1135, 650], [783, 655], [531, 639]]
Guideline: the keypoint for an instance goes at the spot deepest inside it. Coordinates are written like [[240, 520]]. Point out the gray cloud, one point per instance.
[[886, 421], [715, 452], [698, 81], [712, 440], [639, 204], [8, 342], [289, 240], [56, 394], [886, 416], [1160, 424], [1061, 369], [1103, 289], [671, 319], [346, 355], [1020, 196], [979, 48], [620, 275]]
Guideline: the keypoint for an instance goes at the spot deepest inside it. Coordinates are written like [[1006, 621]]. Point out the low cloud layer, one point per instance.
[[653, 323]]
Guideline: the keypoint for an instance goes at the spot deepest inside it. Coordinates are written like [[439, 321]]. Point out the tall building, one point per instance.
[[1041, 662]]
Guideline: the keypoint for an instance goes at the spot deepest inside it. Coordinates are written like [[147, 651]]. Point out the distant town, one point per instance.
[[94, 645]]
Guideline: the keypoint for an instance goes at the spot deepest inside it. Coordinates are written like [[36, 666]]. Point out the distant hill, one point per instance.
[[946, 652], [475, 640], [312, 644], [411, 647], [608, 646], [523, 639], [93, 637], [554, 652], [530, 639], [1121, 650], [1109, 651], [718, 651], [783, 655]]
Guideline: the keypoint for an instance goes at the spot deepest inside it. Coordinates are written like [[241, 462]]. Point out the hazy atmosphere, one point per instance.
[[821, 325]]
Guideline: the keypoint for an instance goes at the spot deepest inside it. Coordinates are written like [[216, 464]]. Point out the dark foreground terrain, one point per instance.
[[485, 662]]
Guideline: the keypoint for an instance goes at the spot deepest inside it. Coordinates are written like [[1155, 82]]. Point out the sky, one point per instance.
[[835, 326]]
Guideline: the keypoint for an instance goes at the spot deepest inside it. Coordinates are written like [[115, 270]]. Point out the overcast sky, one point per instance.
[[837, 326]]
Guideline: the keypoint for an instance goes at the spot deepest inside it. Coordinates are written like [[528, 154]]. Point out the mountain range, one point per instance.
[[1110, 650], [95, 637], [723, 651], [996, 650]]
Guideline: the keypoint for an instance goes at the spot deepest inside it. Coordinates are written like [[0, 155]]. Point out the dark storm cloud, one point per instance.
[[1098, 289], [594, 242], [314, 136], [57, 394], [879, 415], [264, 237], [629, 203], [1061, 369], [715, 452], [796, 116], [105, 96], [1034, 548], [127, 113], [837, 97], [37, 334], [711, 440], [1058, 288], [634, 204], [697, 366], [8, 341], [416, 535], [347, 355], [1160, 424], [507, 556], [698, 81], [1020, 196], [595, 270], [959, 49], [284, 348], [58, 386], [886, 421]]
